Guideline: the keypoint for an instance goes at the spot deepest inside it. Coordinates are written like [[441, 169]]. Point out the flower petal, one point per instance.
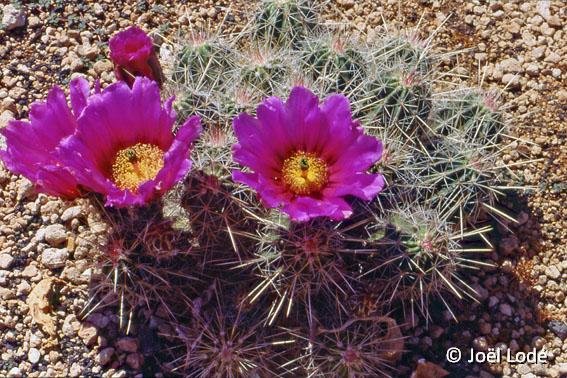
[[80, 89], [362, 185], [31, 147], [302, 209]]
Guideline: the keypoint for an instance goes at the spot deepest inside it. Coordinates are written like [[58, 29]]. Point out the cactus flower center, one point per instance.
[[136, 164], [305, 173]]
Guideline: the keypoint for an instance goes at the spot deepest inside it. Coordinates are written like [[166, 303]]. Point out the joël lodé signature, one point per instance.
[[496, 355]]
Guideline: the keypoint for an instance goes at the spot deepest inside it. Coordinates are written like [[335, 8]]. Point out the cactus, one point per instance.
[[284, 23], [472, 116], [139, 265], [261, 69], [360, 347], [222, 340], [461, 179], [419, 259], [406, 51], [215, 216], [398, 99], [334, 62], [326, 283], [203, 63], [296, 262], [438, 155]]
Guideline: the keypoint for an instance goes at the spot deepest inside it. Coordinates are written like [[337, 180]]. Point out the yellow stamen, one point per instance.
[[136, 164], [304, 173]]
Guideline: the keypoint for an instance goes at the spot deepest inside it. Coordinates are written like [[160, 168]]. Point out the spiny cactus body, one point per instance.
[[398, 253], [284, 22]]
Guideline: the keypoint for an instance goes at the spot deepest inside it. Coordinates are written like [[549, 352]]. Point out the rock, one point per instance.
[[532, 69], [98, 9], [212, 12], [505, 309], [559, 328], [23, 288], [75, 370], [34, 355], [543, 8], [102, 66], [35, 341], [134, 360], [104, 356], [511, 80], [480, 343], [72, 213], [88, 51], [88, 333], [553, 57], [13, 17], [555, 21], [523, 369], [552, 272], [34, 22], [127, 344], [25, 189], [538, 52], [5, 117], [55, 235], [54, 258], [3, 277], [511, 65], [76, 273], [485, 328], [513, 27], [99, 320], [426, 369], [38, 302], [76, 64], [70, 325], [6, 293], [30, 271], [14, 372], [6, 261]]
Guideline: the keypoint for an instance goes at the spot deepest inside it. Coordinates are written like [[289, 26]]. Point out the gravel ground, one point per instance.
[[46, 243]]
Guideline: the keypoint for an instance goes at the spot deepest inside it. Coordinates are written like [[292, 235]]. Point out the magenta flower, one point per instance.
[[132, 53], [32, 147], [124, 147], [305, 157]]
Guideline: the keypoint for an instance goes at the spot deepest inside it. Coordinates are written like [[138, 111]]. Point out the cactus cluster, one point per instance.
[[328, 284]]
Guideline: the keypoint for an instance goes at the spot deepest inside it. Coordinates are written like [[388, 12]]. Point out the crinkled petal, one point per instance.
[[359, 156], [275, 132], [362, 185], [56, 181], [31, 147], [302, 209], [176, 159], [52, 120], [253, 149], [80, 90], [271, 195]]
